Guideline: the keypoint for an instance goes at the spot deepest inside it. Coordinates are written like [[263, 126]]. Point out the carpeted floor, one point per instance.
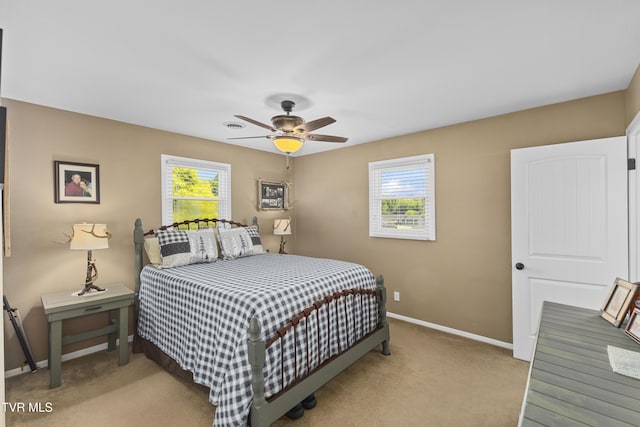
[[431, 379]]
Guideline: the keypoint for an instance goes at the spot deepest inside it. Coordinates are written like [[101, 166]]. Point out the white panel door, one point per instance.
[[569, 228]]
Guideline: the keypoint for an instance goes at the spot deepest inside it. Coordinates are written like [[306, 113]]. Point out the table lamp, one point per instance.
[[87, 237], [282, 227]]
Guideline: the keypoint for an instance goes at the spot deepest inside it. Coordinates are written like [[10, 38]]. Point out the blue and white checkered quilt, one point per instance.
[[199, 315]]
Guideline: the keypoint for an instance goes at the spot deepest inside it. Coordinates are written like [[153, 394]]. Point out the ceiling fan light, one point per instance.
[[288, 144]]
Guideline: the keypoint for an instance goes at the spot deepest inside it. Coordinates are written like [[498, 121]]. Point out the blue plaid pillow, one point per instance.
[[255, 239], [178, 247], [175, 249]]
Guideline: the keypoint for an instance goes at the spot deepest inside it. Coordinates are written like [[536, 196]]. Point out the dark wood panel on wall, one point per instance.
[[3, 140], [3, 171], [3, 122], [4, 185]]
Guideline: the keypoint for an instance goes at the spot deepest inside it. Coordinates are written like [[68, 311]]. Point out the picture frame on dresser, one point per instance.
[[633, 326], [76, 182], [273, 195], [620, 297]]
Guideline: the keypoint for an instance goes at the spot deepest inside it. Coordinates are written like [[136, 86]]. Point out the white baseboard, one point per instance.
[[45, 363], [451, 331], [103, 346]]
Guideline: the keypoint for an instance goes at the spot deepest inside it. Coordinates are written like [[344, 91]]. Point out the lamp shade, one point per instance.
[[288, 144], [282, 227], [89, 237]]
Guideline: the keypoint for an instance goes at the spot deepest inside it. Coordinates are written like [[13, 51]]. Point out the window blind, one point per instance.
[[193, 188], [402, 198]]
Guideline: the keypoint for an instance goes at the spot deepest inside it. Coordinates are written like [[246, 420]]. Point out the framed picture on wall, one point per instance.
[[76, 182], [272, 195], [616, 305]]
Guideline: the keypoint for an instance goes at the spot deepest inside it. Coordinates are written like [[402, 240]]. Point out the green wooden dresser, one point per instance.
[[571, 382]]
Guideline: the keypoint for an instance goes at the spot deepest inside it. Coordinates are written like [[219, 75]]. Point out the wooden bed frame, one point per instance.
[[264, 411]]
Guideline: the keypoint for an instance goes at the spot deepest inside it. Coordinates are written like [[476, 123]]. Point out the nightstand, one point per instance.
[[59, 306]]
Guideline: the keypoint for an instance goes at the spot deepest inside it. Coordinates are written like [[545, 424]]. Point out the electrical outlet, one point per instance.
[[396, 296]]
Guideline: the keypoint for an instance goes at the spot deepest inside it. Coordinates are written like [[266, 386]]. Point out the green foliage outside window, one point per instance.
[[195, 194], [189, 182], [402, 206], [191, 209], [403, 213]]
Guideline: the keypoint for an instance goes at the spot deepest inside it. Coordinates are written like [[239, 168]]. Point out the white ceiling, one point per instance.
[[381, 69]]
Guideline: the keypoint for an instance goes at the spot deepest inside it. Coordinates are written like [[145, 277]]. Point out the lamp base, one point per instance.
[[92, 274], [90, 286], [282, 243]]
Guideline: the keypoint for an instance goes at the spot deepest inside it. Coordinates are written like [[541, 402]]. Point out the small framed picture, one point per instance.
[[633, 327], [272, 195], [621, 295], [76, 182]]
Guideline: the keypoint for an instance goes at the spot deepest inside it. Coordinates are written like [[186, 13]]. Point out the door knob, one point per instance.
[[519, 266]]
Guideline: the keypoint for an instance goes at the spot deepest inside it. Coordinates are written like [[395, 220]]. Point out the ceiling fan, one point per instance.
[[290, 132]]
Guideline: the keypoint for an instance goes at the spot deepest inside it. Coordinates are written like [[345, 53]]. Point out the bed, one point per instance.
[[260, 331]]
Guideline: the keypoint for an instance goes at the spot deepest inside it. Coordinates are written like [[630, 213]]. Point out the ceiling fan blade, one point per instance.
[[326, 138], [314, 124], [250, 137], [257, 123]]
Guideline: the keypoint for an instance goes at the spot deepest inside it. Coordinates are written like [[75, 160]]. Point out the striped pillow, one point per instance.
[[178, 247], [175, 249]]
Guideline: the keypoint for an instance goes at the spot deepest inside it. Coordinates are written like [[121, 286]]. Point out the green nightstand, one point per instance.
[[59, 306]]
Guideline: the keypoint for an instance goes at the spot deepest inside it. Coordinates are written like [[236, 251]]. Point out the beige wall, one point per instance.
[[633, 96], [129, 159], [462, 280]]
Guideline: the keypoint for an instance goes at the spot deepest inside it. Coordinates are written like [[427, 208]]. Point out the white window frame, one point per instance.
[[375, 198], [224, 184]]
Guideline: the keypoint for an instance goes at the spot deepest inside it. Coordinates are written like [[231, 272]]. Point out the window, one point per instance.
[[402, 198], [194, 188]]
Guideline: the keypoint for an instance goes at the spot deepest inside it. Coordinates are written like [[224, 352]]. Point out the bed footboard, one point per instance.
[[264, 411]]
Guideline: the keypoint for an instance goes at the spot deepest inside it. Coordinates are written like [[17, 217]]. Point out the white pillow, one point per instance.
[[203, 246], [235, 242]]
